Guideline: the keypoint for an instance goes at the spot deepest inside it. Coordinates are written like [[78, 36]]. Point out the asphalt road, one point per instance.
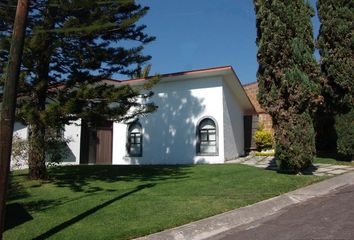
[[328, 217]]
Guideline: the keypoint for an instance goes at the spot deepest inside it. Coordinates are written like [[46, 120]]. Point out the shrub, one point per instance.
[[263, 139], [19, 154], [264, 154], [345, 132]]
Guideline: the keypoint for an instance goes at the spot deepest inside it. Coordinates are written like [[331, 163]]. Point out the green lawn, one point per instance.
[[330, 160], [122, 202]]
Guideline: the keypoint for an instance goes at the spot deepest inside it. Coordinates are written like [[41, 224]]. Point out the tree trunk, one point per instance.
[[37, 128], [36, 156]]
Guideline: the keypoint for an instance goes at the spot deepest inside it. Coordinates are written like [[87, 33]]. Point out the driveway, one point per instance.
[[327, 217]]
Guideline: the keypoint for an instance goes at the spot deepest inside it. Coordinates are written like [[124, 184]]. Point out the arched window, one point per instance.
[[135, 140], [207, 137]]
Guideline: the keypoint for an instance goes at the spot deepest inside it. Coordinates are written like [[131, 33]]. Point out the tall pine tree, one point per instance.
[[287, 77], [336, 46], [70, 46]]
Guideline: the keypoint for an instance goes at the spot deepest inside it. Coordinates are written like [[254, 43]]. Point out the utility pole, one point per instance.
[[9, 103]]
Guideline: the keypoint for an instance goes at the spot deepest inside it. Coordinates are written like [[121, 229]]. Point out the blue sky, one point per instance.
[[194, 34]]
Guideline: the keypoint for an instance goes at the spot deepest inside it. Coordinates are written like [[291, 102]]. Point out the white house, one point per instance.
[[200, 118]]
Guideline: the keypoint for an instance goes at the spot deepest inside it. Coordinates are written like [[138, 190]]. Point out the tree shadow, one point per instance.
[[309, 170], [272, 165], [18, 213], [334, 154], [16, 189], [83, 178], [170, 134], [89, 212], [15, 215], [40, 205], [172, 128], [80, 178]]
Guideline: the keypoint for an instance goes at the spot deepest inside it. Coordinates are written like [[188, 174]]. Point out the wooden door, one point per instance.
[[104, 145]]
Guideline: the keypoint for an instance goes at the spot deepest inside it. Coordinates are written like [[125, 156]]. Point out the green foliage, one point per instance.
[[288, 72], [345, 130], [263, 139], [288, 77], [19, 152], [264, 154], [70, 46], [56, 150], [336, 46], [295, 143], [142, 72]]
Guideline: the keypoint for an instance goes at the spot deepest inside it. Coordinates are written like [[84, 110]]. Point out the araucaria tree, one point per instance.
[[336, 45], [70, 46], [288, 77]]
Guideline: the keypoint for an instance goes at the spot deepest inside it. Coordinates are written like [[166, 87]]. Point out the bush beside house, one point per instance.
[[263, 139]]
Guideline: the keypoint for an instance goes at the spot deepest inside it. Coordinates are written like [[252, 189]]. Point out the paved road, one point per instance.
[[328, 217]]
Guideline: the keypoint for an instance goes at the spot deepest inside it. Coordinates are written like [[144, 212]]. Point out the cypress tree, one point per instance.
[[336, 46], [70, 46], [288, 77]]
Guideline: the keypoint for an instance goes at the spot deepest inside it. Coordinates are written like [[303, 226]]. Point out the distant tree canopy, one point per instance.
[[288, 77], [71, 45]]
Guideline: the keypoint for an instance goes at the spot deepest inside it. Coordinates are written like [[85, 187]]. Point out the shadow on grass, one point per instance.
[[84, 179], [79, 178], [87, 213], [272, 165], [309, 170], [16, 189], [40, 205], [334, 155], [16, 215]]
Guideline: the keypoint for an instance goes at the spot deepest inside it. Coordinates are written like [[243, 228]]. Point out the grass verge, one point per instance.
[[123, 202]]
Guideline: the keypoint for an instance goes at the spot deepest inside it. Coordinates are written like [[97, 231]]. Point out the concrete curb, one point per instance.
[[217, 224]]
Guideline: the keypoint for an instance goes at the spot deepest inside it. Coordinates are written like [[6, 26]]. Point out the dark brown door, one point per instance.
[[104, 145], [84, 143]]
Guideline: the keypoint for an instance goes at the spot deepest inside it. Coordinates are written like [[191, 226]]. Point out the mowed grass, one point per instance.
[[123, 202], [329, 160], [333, 158]]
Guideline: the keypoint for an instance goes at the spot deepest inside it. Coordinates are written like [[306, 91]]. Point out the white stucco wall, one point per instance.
[[169, 134], [72, 133], [233, 125]]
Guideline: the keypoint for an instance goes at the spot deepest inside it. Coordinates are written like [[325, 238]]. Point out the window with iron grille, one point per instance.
[[207, 137], [135, 140]]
